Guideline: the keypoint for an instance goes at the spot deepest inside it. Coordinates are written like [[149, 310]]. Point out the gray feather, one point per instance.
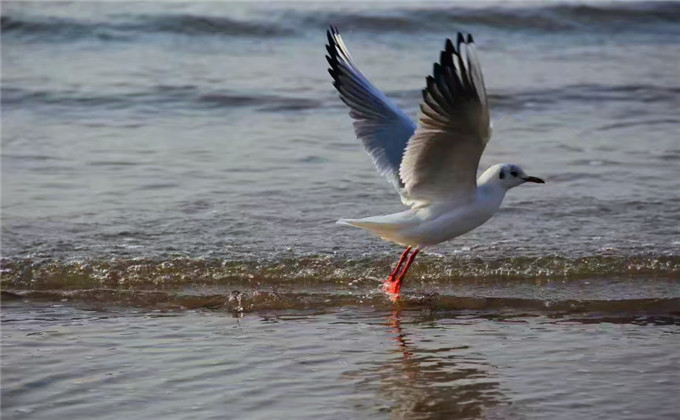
[[382, 127]]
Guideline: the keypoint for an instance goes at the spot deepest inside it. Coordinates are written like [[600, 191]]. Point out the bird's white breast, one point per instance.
[[442, 222]]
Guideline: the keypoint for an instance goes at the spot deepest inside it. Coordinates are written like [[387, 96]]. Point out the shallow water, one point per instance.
[[171, 174], [62, 362]]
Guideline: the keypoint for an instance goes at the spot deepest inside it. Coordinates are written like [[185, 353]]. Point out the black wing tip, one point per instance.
[[334, 73], [332, 47], [334, 55], [452, 48], [463, 38], [449, 46], [332, 32], [437, 70], [447, 76], [443, 56]]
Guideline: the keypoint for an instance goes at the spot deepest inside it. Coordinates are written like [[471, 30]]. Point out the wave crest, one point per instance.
[[152, 274], [634, 16]]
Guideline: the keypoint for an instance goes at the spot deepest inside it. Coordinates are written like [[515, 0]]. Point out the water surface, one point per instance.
[[172, 172], [349, 363]]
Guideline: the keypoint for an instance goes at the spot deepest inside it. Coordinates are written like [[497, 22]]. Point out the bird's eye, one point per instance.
[[501, 175], [513, 173]]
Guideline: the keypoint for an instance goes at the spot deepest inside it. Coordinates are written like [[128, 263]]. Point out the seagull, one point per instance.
[[432, 164]]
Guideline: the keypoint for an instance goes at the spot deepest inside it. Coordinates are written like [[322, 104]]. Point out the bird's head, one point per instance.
[[507, 176]]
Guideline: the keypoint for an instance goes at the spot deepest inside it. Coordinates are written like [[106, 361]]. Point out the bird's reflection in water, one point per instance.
[[425, 382]]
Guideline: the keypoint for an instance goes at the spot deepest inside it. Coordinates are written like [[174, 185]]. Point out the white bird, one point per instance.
[[433, 165]]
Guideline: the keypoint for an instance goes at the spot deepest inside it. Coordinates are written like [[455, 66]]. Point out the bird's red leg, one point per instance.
[[401, 261], [395, 286], [389, 283], [397, 283]]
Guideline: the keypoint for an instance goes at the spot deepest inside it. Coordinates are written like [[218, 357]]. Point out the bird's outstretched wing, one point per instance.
[[383, 128], [441, 159]]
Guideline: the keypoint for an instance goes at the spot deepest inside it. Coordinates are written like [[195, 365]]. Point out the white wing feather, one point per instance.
[[441, 159]]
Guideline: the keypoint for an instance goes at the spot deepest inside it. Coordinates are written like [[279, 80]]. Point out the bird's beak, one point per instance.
[[534, 179]]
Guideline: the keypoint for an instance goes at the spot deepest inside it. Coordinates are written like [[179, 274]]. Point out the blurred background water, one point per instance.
[[167, 155], [212, 129]]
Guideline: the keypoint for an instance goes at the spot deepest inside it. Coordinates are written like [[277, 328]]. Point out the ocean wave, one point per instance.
[[149, 273], [193, 97], [588, 93], [597, 283], [44, 26], [563, 17], [207, 25], [59, 29], [162, 96], [619, 16]]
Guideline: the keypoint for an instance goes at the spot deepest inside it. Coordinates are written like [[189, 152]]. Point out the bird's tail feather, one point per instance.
[[376, 227], [386, 230]]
